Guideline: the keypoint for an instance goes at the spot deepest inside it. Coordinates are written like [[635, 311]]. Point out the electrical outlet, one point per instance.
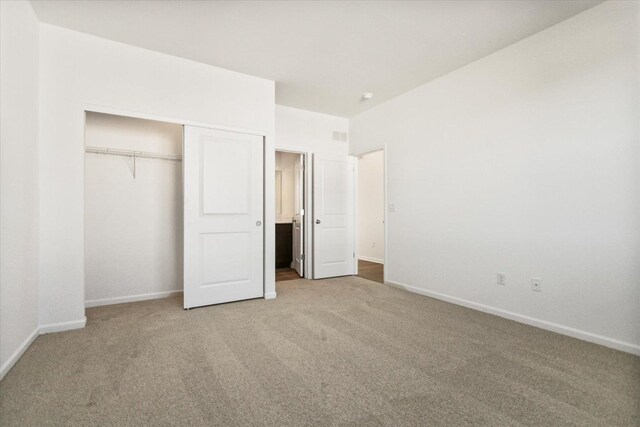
[[373, 244], [536, 284], [502, 279], [392, 207]]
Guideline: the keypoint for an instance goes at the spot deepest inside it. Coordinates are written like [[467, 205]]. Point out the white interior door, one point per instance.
[[223, 216], [298, 217], [333, 216]]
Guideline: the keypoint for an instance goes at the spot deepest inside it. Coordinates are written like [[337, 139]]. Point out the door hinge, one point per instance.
[[354, 254], [302, 257]]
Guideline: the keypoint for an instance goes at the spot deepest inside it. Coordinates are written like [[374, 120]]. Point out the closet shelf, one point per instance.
[[132, 153]]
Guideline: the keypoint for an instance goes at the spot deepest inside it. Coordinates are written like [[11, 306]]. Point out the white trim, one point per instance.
[[63, 326], [6, 366], [385, 210], [308, 208], [532, 321], [366, 258], [270, 295], [356, 235], [174, 120], [131, 298]]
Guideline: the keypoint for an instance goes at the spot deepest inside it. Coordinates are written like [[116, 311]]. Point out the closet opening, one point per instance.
[[291, 216], [133, 209]]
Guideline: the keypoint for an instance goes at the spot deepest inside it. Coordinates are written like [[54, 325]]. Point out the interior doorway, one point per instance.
[[371, 216], [290, 216]]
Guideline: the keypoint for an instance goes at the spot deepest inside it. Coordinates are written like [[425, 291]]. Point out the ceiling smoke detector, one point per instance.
[[366, 96]]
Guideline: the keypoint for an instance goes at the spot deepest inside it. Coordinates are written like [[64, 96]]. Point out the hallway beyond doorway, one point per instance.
[[371, 270], [283, 274]]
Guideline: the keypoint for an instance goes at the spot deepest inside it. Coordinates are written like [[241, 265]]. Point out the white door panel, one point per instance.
[[333, 206], [225, 182], [223, 215]]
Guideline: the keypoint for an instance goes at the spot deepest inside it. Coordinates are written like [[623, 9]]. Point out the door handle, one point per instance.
[[317, 221], [258, 223]]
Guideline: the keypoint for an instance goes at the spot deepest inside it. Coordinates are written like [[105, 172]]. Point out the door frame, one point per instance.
[[385, 215], [307, 205]]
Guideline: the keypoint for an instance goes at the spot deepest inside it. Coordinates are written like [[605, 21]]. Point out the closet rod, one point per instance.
[[132, 153]]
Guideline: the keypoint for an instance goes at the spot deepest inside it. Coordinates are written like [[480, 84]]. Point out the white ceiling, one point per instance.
[[323, 55]]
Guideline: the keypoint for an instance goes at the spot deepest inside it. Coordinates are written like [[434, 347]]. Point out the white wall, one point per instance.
[[285, 162], [306, 131], [79, 72], [133, 226], [524, 162], [18, 180], [370, 211]]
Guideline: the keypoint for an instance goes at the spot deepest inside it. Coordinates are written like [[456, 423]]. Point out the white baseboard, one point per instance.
[[270, 295], [366, 258], [6, 366], [542, 324], [130, 298], [63, 326]]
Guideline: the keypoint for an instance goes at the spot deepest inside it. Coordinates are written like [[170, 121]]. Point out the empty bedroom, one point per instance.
[[330, 213]]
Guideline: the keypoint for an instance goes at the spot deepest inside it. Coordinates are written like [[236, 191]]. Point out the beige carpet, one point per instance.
[[334, 352]]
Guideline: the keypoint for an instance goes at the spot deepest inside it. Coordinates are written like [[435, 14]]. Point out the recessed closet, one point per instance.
[[133, 209]]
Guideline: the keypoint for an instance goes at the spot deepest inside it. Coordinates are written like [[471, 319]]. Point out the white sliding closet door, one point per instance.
[[333, 216], [223, 216]]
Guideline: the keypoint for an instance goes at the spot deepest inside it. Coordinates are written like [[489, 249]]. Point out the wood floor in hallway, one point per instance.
[[371, 270], [283, 274]]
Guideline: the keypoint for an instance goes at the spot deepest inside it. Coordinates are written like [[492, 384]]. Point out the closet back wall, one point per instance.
[[133, 226]]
